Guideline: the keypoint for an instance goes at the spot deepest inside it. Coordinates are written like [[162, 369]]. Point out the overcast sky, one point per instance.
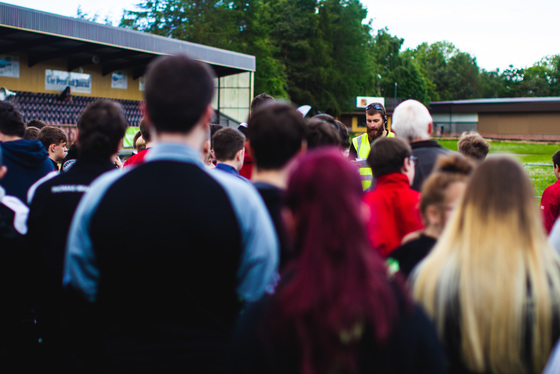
[[497, 33]]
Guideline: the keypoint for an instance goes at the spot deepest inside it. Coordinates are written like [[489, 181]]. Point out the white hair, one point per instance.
[[411, 120]]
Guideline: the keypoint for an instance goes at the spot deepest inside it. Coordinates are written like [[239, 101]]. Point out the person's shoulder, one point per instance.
[[102, 183], [19, 210], [41, 185], [242, 191], [552, 191], [138, 158]]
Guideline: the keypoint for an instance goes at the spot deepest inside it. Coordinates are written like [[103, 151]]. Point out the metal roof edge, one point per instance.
[[53, 24]]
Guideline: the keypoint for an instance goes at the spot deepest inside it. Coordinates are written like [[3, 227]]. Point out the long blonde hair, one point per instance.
[[494, 267]]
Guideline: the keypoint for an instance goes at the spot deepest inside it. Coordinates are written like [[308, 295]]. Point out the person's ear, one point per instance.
[[207, 116], [407, 164], [144, 111], [430, 128], [289, 220], [206, 147], [240, 155], [3, 171]]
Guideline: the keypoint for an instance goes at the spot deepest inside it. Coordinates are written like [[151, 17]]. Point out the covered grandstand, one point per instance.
[[53, 66]]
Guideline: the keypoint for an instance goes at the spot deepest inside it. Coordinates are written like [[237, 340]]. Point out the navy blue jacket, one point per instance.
[[27, 161]]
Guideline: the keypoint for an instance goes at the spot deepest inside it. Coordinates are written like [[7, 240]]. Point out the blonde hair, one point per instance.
[[494, 272]]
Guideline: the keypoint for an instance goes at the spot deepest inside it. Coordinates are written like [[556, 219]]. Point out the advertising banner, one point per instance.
[[9, 66], [57, 80]]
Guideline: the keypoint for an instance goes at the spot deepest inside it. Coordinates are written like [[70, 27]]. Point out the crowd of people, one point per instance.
[[281, 246]]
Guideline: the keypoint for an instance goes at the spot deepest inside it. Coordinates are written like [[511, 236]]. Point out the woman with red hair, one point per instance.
[[336, 309]]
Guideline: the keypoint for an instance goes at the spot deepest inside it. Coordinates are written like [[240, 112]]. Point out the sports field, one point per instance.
[[536, 157]]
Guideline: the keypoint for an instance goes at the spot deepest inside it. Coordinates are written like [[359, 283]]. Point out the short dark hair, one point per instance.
[[52, 135], [319, 133], [35, 123], [178, 91], [101, 127], [227, 142], [31, 132], [473, 145], [387, 156], [373, 108], [260, 101], [214, 128], [11, 121], [556, 158], [144, 130], [342, 129], [275, 135]]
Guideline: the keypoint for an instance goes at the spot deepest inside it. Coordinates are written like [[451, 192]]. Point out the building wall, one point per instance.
[[530, 124], [454, 123], [32, 79], [233, 92]]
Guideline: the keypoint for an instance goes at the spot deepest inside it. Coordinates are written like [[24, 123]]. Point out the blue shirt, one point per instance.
[[257, 271]]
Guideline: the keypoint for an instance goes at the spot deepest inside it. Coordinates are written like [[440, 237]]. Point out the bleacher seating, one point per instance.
[[52, 110]]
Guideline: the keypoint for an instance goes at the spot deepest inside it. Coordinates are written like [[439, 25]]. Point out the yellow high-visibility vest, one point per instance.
[[361, 143]]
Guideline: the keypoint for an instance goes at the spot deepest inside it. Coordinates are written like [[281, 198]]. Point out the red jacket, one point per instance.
[[550, 205], [137, 158], [394, 212], [247, 168]]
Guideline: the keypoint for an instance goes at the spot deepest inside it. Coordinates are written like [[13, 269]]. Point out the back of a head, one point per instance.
[[260, 101], [500, 191], [276, 133], [177, 93], [342, 130], [101, 127], [324, 196], [320, 133], [11, 121], [31, 132], [556, 158], [322, 180], [214, 128], [226, 143], [411, 120], [448, 169], [51, 135], [387, 156], [35, 123], [471, 144], [136, 144], [496, 237], [145, 130]]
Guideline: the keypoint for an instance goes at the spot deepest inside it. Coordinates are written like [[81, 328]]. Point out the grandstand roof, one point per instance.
[[45, 36]]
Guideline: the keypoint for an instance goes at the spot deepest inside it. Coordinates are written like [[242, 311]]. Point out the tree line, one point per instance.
[[324, 53]]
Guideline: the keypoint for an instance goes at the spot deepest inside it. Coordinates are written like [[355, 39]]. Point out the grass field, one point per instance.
[[528, 154]]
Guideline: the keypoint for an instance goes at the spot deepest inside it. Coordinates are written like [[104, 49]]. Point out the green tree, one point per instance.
[[397, 72], [341, 51], [235, 25], [450, 73], [462, 75], [492, 84]]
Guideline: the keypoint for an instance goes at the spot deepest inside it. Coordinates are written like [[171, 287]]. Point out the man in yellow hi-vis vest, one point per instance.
[[376, 122]]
